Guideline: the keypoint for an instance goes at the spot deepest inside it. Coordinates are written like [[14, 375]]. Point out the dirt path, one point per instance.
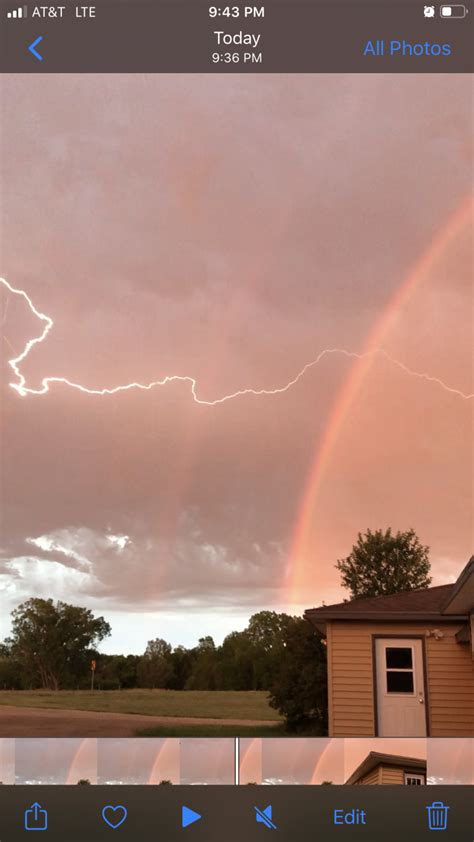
[[43, 722]]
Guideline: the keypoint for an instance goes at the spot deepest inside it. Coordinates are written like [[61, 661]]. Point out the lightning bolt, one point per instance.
[[23, 390]]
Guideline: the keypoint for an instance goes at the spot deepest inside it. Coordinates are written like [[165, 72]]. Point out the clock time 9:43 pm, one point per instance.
[[236, 11]]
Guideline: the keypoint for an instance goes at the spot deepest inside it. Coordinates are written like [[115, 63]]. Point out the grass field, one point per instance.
[[217, 704], [270, 730]]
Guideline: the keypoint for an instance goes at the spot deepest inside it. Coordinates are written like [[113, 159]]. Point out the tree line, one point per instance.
[[52, 645]]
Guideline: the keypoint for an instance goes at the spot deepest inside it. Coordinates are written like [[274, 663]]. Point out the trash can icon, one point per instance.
[[438, 816]]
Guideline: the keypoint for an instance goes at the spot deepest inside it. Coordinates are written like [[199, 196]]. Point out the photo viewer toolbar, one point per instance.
[[236, 813]]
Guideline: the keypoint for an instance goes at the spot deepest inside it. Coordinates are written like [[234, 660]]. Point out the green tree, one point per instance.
[[206, 644], [182, 661], [155, 668], [12, 676], [83, 782], [117, 672], [267, 632], [234, 669], [202, 675], [299, 689], [381, 563], [53, 642]]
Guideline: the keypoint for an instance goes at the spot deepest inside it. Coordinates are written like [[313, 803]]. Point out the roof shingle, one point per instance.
[[428, 601]]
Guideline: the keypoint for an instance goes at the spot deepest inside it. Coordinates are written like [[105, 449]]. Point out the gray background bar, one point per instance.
[[179, 37]]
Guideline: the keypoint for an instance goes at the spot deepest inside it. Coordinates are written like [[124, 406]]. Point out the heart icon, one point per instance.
[[114, 816]]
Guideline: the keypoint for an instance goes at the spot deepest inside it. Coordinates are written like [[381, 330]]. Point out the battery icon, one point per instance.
[[456, 11]]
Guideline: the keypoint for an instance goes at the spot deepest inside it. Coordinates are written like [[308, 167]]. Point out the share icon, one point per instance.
[[265, 816]]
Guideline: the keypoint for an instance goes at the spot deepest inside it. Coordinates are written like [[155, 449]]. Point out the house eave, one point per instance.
[[462, 591], [374, 760], [402, 617]]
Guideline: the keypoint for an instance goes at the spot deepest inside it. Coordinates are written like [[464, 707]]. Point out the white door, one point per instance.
[[400, 688]]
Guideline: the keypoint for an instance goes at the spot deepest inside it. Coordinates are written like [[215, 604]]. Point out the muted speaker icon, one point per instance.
[[265, 816]]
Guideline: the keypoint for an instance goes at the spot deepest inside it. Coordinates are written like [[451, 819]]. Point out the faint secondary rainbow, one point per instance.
[[166, 765], [84, 761], [325, 766], [350, 388]]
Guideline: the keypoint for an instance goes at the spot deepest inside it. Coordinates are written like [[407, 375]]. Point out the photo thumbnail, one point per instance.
[[385, 762], [291, 761], [451, 762], [7, 761], [59, 762]]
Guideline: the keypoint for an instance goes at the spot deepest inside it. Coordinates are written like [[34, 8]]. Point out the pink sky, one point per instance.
[[55, 761], [149, 761], [229, 228], [451, 761], [7, 761], [291, 761]]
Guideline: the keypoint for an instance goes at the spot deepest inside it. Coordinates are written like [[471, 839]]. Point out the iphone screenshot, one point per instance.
[[236, 421]]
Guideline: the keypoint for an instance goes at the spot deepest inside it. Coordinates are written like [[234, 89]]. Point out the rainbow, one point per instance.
[[300, 544], [166, 765], [84, 761]]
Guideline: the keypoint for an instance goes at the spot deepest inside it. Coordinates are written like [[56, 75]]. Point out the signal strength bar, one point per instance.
[[20, 12]]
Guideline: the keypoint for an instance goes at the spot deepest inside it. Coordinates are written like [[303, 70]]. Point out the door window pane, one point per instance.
[[399, 682], [399, 658]]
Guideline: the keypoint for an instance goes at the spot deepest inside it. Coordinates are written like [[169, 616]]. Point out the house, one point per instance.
[[389, 769], [401, 665]]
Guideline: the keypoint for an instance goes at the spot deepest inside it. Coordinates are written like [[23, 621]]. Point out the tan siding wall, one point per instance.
[[391, 775], [450, 679], [373, 777], [329, 668], [451, 686]]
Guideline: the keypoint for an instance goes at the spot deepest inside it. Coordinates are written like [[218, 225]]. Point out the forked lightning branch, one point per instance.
[[21, 387]]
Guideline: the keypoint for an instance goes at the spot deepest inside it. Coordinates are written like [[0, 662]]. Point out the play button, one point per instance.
[[189, 816]]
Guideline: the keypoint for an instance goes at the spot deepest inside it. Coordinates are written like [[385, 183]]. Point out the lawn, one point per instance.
[[275, 730], [269, 730], [217, 704]]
